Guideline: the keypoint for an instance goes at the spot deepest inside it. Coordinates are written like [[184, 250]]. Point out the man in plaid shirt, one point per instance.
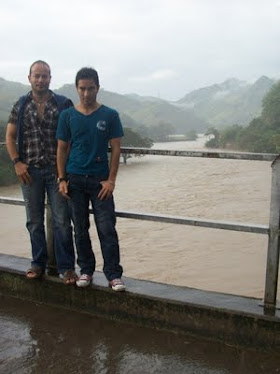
[[31, 144]]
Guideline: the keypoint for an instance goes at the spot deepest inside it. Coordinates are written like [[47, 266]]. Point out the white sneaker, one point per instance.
[[117, 284], [84, 280]]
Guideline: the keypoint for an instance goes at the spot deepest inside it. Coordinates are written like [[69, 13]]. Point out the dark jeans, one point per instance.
[[44, 181], [82, 190]]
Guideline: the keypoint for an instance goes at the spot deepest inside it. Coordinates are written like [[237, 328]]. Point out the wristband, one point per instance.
[[16, 160], [63, 179]]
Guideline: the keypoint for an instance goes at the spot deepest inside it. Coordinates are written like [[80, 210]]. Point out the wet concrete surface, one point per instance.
[[36, 338]]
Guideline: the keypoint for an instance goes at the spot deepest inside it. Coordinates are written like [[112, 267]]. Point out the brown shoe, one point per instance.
[[34, 272], [69, 277]]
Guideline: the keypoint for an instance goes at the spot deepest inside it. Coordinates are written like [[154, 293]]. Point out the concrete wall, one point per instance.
[[227, 318]]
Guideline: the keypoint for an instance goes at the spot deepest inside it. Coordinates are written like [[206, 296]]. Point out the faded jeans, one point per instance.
[[44, 181], [83, 189]]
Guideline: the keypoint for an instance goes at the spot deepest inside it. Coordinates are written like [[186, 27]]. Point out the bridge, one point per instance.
[[230, 318]]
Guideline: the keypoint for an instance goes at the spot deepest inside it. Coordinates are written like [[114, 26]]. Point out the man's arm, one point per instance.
[[62, 155], [109, 185], [21, 168]]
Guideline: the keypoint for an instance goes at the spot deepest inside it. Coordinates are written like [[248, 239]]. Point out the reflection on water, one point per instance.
[[18, 348], [36, 339]]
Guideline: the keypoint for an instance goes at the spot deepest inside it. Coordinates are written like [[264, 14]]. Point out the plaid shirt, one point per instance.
[[39, 142]]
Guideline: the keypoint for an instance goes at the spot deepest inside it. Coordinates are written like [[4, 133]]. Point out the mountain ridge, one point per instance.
[[232, 101]]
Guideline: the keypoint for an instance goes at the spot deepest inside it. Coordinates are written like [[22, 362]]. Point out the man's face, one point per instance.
[[40, 78], [87, 91]]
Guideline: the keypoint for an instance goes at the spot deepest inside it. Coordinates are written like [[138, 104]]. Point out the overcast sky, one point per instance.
[[163, 48]]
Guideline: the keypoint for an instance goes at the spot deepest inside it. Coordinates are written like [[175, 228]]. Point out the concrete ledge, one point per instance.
[[231, 319]]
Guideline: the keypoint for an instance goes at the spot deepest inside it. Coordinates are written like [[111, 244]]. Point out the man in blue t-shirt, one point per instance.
[[86, 175]]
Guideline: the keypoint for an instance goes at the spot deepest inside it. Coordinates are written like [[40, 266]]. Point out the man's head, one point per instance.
[[87, 73], [40, 62], [40, 77], [87, 84]]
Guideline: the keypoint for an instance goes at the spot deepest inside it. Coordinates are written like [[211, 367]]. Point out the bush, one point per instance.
[[7, 171]]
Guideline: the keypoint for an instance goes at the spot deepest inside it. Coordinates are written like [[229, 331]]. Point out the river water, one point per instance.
[[209, 259]]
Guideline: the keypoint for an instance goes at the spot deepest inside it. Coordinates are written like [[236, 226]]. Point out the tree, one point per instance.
[[262, 133], [214, 141], [271, 108], [2, 133], [7, 172], [133, 139], [229, 136], [160, 132]]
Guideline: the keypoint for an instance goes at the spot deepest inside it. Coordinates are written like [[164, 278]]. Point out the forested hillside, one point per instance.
[[228, 103], [9, 92], [261, 135]]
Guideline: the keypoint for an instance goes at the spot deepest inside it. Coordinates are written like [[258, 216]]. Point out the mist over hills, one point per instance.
[[9, 92], [145, 111], [230, 102]]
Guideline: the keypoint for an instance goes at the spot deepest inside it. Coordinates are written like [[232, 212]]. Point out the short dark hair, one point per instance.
[[87, 73], [39, 62]]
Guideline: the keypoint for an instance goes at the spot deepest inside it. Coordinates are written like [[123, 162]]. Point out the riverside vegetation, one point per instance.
[[262, 135]]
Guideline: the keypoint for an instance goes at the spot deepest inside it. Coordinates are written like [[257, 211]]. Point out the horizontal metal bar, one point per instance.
[[224, 225], [11, 201], [205, 154]]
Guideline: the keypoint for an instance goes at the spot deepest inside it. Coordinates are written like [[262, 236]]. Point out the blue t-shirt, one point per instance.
[[89, 136]]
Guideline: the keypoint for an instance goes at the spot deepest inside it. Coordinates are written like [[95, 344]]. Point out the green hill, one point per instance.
[[219, 105], [9, 92], [146, 111], [228, 103]]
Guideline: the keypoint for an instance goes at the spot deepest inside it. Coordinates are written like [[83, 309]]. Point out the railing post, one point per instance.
[[52, 270], [272, 265]]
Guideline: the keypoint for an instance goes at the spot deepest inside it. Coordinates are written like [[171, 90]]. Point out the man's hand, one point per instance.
[[106, 192], [21, 170], [63, 189]]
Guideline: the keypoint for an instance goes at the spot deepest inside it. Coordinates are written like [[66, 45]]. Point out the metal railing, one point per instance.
[[272, 230]]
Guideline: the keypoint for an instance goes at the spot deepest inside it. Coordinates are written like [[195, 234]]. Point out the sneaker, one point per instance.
[[84, 280], [117, 284]]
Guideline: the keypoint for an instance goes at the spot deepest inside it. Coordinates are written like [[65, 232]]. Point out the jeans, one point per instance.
[[44, 181], [83, 189]]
